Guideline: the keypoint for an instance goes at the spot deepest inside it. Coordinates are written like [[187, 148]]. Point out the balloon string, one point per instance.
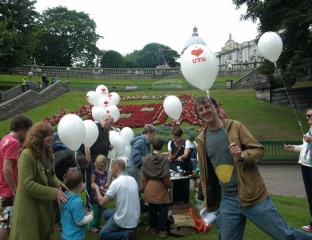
[[300, 125], [207, 91]]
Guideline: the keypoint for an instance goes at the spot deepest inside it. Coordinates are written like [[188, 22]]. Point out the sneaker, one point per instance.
[[307, 228], [151, 230], [95, 230], [163, 234]]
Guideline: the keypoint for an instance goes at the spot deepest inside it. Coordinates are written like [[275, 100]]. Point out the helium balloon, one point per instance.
[[113, 98], [103, 102], [270, 45], [126, 152], [101, 90], [98, 113], [112, 154], [71, 131], [119, 144], [92, 97], [92, 133], [127, 134], [173, 107], [113, 111], [112, 135], [199, 66]]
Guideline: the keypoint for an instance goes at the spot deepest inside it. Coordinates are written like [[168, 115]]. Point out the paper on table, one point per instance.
[[208, 217]]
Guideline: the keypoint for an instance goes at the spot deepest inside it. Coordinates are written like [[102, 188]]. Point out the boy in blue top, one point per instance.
[[73, 214]]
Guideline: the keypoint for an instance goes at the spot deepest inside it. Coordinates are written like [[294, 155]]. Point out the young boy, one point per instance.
[[155, 182], [73, 214]]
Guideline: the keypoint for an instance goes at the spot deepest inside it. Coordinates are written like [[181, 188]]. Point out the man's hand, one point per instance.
[[236, 151]]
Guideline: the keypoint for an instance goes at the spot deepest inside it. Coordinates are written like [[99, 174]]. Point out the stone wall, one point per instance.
[[300, 98], [31, 99]]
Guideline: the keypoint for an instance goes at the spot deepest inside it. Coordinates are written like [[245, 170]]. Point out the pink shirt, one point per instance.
[[9, 147]]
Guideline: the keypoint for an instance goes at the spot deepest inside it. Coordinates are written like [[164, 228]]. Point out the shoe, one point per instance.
[[131, 234], [95, 230], [58, 227], [163, 234], [307, 228], [151, 230]]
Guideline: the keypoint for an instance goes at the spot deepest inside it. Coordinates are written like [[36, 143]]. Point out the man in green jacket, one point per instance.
[[231, 181]]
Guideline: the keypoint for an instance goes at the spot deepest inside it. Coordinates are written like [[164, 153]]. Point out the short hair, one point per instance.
[[119, 163], [177, 131], [158, 143], [20, 122], [202, 100], [73, 178], [192, 138], [149, 128], [82, 161], [100, 159]]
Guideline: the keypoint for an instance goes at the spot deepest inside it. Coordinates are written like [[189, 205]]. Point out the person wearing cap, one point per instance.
[[231, 182], [24, 84]]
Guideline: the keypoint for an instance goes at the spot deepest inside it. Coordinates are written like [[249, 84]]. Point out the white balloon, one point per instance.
[[112, 135], [119, 144], [92, 97], [92, 133], [113, 111], [71, 131], [173, 107], [98, 113], [103, 102], [127, 134], [102, 90], [112, 154], [126, 152], [113, 98], [126, 159], [199, 66], [270, 45]]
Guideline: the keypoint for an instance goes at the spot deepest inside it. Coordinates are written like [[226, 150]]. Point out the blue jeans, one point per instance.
[[232, 220], [111, 230]]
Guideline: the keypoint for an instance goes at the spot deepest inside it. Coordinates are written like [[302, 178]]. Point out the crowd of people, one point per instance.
[[41, 180]]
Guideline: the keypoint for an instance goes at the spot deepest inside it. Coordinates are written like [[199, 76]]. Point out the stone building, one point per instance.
[[235, 53]]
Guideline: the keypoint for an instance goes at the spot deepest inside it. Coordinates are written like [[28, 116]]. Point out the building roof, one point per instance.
[[195, 39]]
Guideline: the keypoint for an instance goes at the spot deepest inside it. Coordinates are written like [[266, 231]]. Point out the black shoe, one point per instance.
[[131, 234]]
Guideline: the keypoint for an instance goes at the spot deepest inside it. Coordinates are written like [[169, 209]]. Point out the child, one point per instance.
[[98, 176], [73, 214], [155, 182]]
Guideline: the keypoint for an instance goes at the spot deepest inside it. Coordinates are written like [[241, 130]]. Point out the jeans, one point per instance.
[[307, 179], [158, 215], [111, 230], [232, 220]]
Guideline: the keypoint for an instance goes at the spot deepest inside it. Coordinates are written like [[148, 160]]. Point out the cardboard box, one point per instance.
[[183, 208]]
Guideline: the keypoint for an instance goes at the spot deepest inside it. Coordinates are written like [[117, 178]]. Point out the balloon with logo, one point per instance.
[[113, 111], [119, 144], [103, 102], [92, 97], [173, 107], [92, 133], [113, 98], [101, 90], [71, 131], [270, 45], [199, 66]]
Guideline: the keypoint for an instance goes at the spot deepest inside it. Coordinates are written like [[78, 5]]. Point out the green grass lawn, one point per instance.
[[295, 211]]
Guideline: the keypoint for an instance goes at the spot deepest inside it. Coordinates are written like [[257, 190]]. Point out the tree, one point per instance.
[[18, 33], [147, 56], [66, 38], [293, 20], [112, 59]]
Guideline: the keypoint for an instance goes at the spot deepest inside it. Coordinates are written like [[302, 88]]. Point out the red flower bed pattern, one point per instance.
[[138, 115]]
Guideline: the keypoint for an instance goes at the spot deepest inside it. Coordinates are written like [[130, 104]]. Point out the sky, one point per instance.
[[129, 25]]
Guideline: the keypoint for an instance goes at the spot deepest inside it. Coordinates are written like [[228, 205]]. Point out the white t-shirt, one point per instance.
[[124, 190], [187, 144]]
